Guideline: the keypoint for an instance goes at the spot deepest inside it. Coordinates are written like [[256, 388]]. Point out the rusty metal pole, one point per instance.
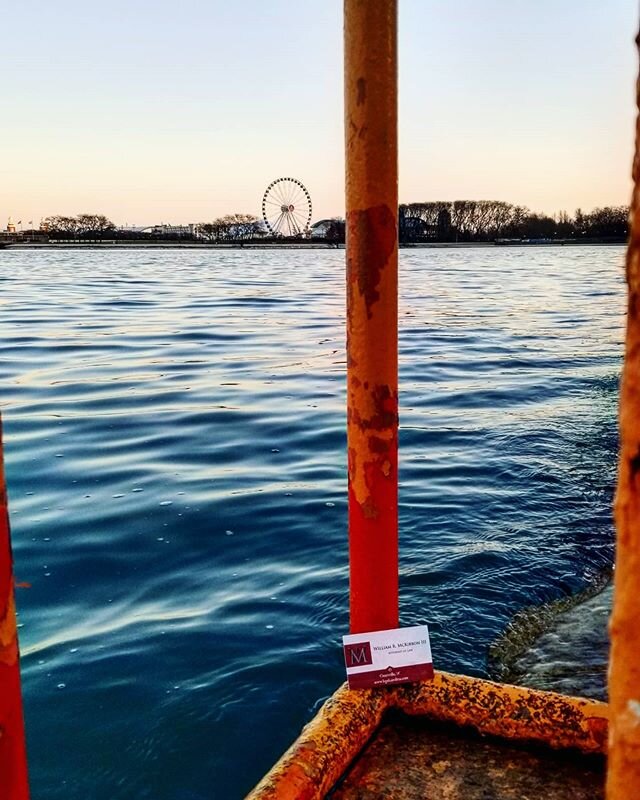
[[371, 101], [13, 760], [624, 668]]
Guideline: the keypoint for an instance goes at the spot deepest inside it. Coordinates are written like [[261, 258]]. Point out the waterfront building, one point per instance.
[[331, 229], [172, 230]]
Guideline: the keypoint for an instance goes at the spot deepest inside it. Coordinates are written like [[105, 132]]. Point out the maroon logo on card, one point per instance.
[[357, 654]]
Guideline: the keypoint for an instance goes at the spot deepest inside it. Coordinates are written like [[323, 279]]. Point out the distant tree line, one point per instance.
[[84, 226], [491, 220], [439, 221], [230, 228]]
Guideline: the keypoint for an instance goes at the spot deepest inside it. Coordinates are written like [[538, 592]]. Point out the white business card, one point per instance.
[[384, 658]]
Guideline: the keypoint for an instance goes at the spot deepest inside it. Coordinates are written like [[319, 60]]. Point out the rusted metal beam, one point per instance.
[[328, 744], [336, 736], [13, 760], [509, 712], [624, 666], [370, 45]]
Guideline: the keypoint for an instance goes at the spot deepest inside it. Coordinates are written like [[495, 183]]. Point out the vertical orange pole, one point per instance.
[[371, 100], [623, 775], [13, 760], [624, 668]]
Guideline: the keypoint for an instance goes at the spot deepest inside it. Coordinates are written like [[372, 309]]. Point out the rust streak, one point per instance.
[[378, 445], [373, 237]]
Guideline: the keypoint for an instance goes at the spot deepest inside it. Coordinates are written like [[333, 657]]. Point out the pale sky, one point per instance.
[[180, 112]]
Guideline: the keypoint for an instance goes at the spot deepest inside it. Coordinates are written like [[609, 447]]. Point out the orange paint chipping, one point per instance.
[[334, 739], [624, 668], [325, 748], [372, 315], [510, 712]]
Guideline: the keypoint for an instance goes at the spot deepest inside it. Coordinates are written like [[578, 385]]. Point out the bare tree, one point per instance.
[[232, 227], [56, 225], [95, 225]]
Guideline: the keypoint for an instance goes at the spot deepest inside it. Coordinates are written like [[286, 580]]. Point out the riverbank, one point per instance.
[[142, 245], [145, 245]]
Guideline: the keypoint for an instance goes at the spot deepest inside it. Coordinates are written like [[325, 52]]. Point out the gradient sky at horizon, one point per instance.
[[158, 112]]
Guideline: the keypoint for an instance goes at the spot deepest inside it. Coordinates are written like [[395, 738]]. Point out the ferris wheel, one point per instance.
[[286, 207]]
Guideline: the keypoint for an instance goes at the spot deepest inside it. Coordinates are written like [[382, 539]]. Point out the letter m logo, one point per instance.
[[357, 654]]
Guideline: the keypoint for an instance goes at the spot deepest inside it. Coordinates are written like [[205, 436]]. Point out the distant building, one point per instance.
[[260, 229], [328, 229], [417, 229], [133, 229], [176, 231], [444, 223], [11, 226]]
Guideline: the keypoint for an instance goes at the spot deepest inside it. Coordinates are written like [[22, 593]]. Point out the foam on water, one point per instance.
[[175, 454]]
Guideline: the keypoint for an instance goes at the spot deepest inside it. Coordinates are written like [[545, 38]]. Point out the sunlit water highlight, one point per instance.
[[175, 454]]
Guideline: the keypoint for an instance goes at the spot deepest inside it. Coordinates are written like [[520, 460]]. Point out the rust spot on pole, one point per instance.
[[378, 445], [13, 763], [373, 237], [372, 317]]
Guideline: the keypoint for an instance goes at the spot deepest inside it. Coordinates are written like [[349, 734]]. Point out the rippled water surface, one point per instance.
[[174, 427]]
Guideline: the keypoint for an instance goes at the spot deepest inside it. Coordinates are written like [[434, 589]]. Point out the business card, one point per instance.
[[386, 658]]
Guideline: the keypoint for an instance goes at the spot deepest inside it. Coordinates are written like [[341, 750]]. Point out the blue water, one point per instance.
[[175, 443]]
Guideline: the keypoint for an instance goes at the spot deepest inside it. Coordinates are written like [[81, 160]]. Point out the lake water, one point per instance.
[[175, 450]]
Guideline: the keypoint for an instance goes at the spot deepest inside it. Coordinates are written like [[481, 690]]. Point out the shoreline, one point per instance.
[[136, 245]]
